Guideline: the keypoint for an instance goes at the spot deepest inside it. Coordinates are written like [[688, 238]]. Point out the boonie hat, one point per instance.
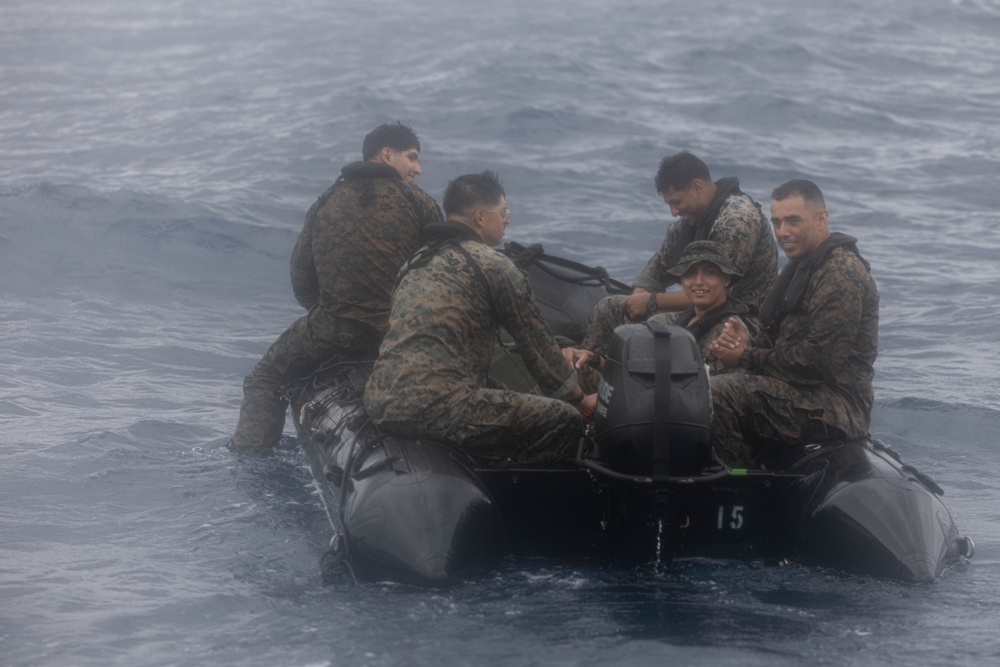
[[705, 251]]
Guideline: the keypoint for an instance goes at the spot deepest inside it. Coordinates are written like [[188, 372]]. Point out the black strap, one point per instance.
[[731, 306], [485, 284], [574, 273], [661, 401], [789, 290], [423, 256]]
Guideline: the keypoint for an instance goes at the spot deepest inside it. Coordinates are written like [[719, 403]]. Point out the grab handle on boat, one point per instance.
[[590, 464], [966, 547]]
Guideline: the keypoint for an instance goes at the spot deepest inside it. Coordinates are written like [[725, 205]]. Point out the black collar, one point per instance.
[[449, 230], [789, 289]]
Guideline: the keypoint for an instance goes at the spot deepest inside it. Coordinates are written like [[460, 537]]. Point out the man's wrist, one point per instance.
[[745, 358], [651, 305]]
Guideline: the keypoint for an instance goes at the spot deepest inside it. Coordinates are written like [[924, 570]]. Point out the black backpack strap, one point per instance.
[[478, 271]]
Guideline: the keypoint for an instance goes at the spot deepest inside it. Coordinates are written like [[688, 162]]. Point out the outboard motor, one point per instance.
[[654, 410]]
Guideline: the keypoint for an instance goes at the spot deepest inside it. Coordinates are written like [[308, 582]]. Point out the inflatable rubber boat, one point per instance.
[[644, 486]]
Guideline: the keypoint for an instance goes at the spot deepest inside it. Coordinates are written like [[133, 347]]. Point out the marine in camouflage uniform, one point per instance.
[[704, 320], [430, 380], [815, 381], [354, 240], [707, 318], [708, 328], [733, 220]]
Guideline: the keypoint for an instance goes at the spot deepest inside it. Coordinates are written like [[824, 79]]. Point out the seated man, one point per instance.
[[814, 382], [717, 211], [354, 240], [705, 274], [430, 379]]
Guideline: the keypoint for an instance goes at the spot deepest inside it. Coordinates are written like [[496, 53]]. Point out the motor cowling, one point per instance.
[[654, 409]]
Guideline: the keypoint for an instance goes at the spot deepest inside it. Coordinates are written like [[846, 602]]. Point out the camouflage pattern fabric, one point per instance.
[[815, 381], [606, 317], [745, 235], [355, 239], [431, 377]]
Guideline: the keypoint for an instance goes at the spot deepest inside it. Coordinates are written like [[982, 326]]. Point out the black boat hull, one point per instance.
[[422, 512]]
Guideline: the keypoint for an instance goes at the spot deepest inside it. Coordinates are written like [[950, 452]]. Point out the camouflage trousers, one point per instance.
[[751, 412], [297, 352], [607, 316], [497, 424]]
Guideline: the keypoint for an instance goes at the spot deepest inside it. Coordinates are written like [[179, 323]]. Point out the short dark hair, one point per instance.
[[799, 187], [678, 171], [396, 136], [468, 191]]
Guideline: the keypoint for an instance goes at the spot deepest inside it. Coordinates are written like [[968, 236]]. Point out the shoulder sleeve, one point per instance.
[[736, 230], [813, 346], [654, 276], [427, 209], [305, 282], [520, 316]]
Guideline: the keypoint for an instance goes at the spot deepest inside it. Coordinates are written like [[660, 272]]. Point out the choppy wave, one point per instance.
[[63, 238]]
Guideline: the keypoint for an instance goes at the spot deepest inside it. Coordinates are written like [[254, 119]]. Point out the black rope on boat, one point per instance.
[[924, 479], [336, 561], [595, 276], [334, 436], [598, 278], [593, 465], [915, 475], [317, 382], [384, 464], [333, 564], [590, 464], [345, 541], [882, 447]]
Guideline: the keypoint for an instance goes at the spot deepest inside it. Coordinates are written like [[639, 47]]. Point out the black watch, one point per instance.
[[745, 358], [651, 306]]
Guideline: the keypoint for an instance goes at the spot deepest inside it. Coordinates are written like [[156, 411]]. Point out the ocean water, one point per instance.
[[156, 161]]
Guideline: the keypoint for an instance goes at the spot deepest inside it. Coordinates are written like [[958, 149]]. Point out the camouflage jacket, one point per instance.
[[829, 343], [745, 234], [355, 238], [442, 335]]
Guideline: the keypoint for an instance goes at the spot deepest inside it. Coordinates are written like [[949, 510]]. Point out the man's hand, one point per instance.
[[576, 357], [731, 342], [635, 306], [587, 407]]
